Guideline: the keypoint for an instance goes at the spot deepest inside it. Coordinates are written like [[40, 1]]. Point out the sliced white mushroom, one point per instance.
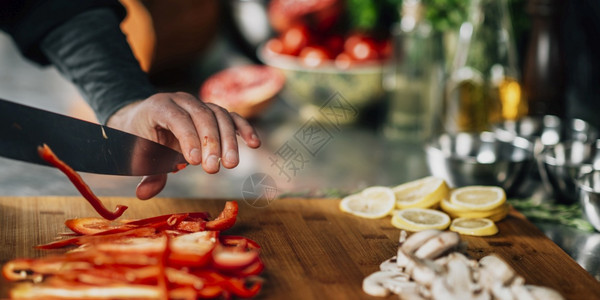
[[494, 269], [417, 239], [398, 285], [440, 290], [382, 283], [521, 292], [443, 260], [459, 275], [402, 259], [389, 265], [412, 296], [500, 291], [543, 293], [423, 272], [402, 238], [412, 244], [438, 245]]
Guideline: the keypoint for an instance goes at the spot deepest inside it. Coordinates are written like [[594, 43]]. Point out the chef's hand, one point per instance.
[[205, 133]]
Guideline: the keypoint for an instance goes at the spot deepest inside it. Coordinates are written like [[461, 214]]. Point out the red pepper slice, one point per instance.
[[87, 226], [253, 269], [226, 219], [229, 260], [238, 242], [235, 286], [46, 153], [105, 235]]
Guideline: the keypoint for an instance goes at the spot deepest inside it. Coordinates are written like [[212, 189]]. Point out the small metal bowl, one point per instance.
[[560, 165], [546, 131], [480, 159], [588, 190]]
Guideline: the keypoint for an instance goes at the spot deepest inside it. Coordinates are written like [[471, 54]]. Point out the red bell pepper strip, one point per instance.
[[46, 153], [88, 226], [162, 280], [253, 269], [229, 260], [105, 235], [237, 241], [226, 219]]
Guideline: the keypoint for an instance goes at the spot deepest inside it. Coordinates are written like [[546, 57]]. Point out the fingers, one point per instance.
[[208, 129], [227, 133], [150, 186], [246, 131], [166, 115], [206, 133]]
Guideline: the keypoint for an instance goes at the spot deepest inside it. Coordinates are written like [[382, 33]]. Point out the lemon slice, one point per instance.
[[417, 219], [478, 197], [423, 193], [474, 226], [372, 203], [455, 211]]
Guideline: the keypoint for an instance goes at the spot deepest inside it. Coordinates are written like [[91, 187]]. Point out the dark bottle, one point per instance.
[[544, 70]]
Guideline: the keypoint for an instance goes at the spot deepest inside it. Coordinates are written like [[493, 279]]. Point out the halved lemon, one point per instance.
[[455, 211], [372, 203], [417, 219], [478, 197], [474, 226], [422, 193]]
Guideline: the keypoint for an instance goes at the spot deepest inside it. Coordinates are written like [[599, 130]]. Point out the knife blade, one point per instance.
[[85, 146]]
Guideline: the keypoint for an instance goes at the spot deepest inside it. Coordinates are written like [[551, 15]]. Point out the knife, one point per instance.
[[85, 146]]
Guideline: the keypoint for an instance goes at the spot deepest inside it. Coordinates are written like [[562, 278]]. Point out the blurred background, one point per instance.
[[399, 73]]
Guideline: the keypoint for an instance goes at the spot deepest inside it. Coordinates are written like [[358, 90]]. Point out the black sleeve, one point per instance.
[[91, 51], [29, 21]]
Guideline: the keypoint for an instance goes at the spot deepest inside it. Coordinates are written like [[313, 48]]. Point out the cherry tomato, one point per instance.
[[334, 45], [344, 61], [275, 45], [294, 39], [313, 56], [385, 49], [361, 47]]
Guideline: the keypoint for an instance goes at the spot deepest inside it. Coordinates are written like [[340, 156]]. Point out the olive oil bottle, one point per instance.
[[483, 87]]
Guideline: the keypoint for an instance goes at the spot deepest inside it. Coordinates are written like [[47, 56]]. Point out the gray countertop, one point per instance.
[[349, 159]]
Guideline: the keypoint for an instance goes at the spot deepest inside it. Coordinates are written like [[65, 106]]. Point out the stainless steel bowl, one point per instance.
[[560, 165], [545, 131], [588, 188], [480, 159]]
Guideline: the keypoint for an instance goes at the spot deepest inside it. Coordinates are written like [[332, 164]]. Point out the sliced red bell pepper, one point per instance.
[[105, 235], [226, 218], [254, 269], [235, 286], [238, 242], [46, 153], [87, 226], [224, 259]]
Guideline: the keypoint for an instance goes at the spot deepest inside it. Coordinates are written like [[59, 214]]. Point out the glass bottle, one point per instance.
[[484, 82], [543, 71], [414, 80]]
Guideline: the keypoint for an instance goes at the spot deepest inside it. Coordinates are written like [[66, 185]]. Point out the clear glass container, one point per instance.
[[414, 80], [484, 87]]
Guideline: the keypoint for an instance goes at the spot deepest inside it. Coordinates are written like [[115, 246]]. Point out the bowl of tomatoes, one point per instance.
[[329, 63], [321, 68]]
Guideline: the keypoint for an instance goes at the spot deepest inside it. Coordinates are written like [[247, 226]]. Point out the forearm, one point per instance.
[[93, 53]]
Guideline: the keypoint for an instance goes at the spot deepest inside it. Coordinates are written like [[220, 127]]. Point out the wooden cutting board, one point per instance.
[[310, 248]]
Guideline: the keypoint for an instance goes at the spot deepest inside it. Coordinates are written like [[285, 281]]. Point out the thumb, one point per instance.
[[150, 186]]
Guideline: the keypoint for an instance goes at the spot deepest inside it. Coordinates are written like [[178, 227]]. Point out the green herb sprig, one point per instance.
[[568, 215]]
